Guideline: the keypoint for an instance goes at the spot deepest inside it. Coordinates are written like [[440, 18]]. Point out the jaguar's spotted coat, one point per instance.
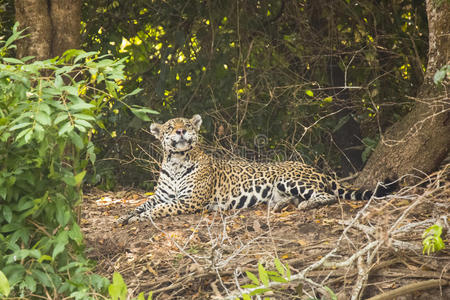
[[191, 180]]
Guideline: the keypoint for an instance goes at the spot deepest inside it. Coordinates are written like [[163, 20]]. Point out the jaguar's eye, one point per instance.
[[188, 126]]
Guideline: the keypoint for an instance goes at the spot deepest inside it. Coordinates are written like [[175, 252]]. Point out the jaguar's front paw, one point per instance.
[[134, 219], [126, 219], [278, 206], [308, 205]]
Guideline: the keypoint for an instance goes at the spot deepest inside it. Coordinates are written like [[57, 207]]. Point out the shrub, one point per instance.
[[48, 110]]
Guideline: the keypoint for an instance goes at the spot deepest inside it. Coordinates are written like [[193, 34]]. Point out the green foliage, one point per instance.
[[252, 76], [4, 285], [261, 284], [262, 75], [48, 110], [118, 289], [370, 145], [431, 239], [441, 74], [332, 295], [281, 274]]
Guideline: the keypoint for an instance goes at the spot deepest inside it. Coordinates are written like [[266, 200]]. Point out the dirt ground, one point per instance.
[[354, 249]]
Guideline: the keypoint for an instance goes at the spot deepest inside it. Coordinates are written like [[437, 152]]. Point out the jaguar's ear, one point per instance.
[[155, 129], [196, 121]]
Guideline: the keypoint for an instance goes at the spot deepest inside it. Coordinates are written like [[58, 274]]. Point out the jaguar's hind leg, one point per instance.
[[304, 195], [318, 199], [279, 200]]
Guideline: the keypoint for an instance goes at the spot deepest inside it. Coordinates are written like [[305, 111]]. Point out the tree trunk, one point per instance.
[[420, 141], [53, 27]]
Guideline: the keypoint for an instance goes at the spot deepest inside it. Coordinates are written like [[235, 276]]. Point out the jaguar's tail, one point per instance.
[[382, 189]]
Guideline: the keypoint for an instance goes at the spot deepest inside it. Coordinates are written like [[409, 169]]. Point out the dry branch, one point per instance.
[[413, 287], [381, 243]]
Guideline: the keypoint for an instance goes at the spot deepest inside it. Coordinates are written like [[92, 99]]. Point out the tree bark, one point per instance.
[[419, 142], [53, 26]]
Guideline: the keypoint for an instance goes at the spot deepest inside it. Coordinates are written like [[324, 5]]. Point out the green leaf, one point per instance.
[[4, 285], [141, 112], [141, 296], [98, 282], [15, 36], [278, 279], [61, 240], [58, 249], [69, 180], [309, 93], [252, 277], [138, 90], [280, 267], [65, 128], [145, 109], [91, 152], [432, 241], [45, 108], [22, 133], [39, 132], [58, 81], [332, 294], [85, 117], [41, 277], [75, 234], [118, 289], [288, 272], [60, 118], [26, 58], [263, 276], [84, 55], [71, 53], [249, 286], [12, 60], [30, 283], [81, 106], [3, 192], [83, 123], [79, 177], [43, 118], [341, 122], [246, 297], [111, 86], [28, 136], [259, 291], [272, 273], [80, 128], [63, 217], [7, 213], [439, 76], [71, 90], [44, 257], [76, 140], [20, 125], [14, 273]]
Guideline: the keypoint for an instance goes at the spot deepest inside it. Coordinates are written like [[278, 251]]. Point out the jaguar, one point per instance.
[[191, 180]]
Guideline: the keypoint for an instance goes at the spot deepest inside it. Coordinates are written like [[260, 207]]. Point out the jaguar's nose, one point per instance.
[[181, 131]]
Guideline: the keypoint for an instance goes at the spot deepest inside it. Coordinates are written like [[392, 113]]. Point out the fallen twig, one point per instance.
[[409, 288]]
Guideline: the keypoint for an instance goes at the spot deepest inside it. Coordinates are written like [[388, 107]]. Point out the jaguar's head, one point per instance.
[[178, 134]]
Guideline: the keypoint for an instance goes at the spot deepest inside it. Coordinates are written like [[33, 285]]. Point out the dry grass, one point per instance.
[[358, 250]]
